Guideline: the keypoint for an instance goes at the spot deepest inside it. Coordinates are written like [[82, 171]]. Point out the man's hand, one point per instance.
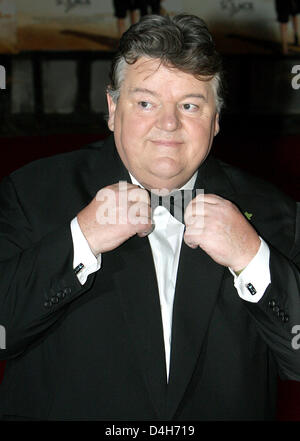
[[220, 229], [118, 212]]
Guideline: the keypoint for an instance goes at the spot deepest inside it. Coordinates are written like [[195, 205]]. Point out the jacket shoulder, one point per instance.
[[271, 211], [244, 182], [60, 163]]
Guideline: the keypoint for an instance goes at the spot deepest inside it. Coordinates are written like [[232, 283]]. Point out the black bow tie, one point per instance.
[[175, 202]]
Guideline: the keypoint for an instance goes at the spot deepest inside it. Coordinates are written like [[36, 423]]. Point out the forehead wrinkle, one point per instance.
[[195, 95], [133, 90]]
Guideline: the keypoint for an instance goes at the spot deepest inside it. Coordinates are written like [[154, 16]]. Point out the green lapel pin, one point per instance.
[[248, 215]]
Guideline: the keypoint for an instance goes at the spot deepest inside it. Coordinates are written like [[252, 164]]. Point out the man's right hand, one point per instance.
[[118, 212]]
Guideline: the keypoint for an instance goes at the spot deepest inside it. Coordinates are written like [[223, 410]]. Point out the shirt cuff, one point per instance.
[[253, 281], [84, 261]]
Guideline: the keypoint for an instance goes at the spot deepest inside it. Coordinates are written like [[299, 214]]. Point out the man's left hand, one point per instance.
[[218, 227]]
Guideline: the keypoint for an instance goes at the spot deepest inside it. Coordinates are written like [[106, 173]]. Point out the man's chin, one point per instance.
[[164, 180]]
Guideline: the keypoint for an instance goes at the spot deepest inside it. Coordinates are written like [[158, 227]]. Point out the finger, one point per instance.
[[138, 195], [139, 213], [190, 241], [192, 219], [194, 211], [146, 233], [143, 230], [208, 198], [200, 208], [194, 233]]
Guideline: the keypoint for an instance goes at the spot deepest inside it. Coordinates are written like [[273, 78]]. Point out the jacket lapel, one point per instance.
[[140, 303], [104, 169], [134, 273], [198, 283], [199, 280]]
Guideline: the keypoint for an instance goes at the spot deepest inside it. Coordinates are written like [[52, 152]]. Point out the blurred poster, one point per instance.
[[239, 26], [8, 28], [72, 24]]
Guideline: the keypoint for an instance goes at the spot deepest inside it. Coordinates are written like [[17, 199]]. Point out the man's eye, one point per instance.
[[145, 105], [190, 107]]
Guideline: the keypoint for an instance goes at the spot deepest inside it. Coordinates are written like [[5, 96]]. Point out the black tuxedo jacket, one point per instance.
[[96, 351]]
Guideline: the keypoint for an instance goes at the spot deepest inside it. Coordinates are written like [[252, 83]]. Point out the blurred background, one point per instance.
[[56, 57]]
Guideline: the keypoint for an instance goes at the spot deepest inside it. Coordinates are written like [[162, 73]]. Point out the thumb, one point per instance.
[[146, 233]]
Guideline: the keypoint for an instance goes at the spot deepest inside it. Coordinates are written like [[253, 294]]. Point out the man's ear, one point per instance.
[[217, 125], [111, 112]]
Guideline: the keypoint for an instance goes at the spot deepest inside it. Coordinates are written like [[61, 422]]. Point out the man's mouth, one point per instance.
[[166, 142]]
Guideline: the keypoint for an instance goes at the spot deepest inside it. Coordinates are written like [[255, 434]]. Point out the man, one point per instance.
[[121, 7], [116, 310], [149, 6], [285, 9]]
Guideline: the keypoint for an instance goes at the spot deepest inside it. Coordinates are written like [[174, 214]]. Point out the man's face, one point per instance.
[[164, 123]]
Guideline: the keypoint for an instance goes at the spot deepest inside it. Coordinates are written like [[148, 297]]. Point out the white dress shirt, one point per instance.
[[165, 241]]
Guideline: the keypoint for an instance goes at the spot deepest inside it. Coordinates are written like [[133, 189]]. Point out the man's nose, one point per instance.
[[168, 119]]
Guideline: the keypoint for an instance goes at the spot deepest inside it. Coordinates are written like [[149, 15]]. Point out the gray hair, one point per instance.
[[182, 42]]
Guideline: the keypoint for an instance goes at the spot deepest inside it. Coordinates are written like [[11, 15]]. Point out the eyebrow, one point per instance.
[[151, 92]]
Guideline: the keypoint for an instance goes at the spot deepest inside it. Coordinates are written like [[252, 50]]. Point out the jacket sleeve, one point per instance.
[[37, 280], [277, 314]]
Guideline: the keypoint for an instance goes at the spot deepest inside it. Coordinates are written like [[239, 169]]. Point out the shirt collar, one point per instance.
[[189, 185]]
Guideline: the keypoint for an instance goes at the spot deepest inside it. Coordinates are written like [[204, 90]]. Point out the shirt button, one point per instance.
[[272, 303]]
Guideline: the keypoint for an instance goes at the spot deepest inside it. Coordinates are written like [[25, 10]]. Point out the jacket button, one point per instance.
[[281, 314], [276, 308], [272, 303], [286, 318], [54, 300], [67, 290], [47, 304], [60, 295]]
